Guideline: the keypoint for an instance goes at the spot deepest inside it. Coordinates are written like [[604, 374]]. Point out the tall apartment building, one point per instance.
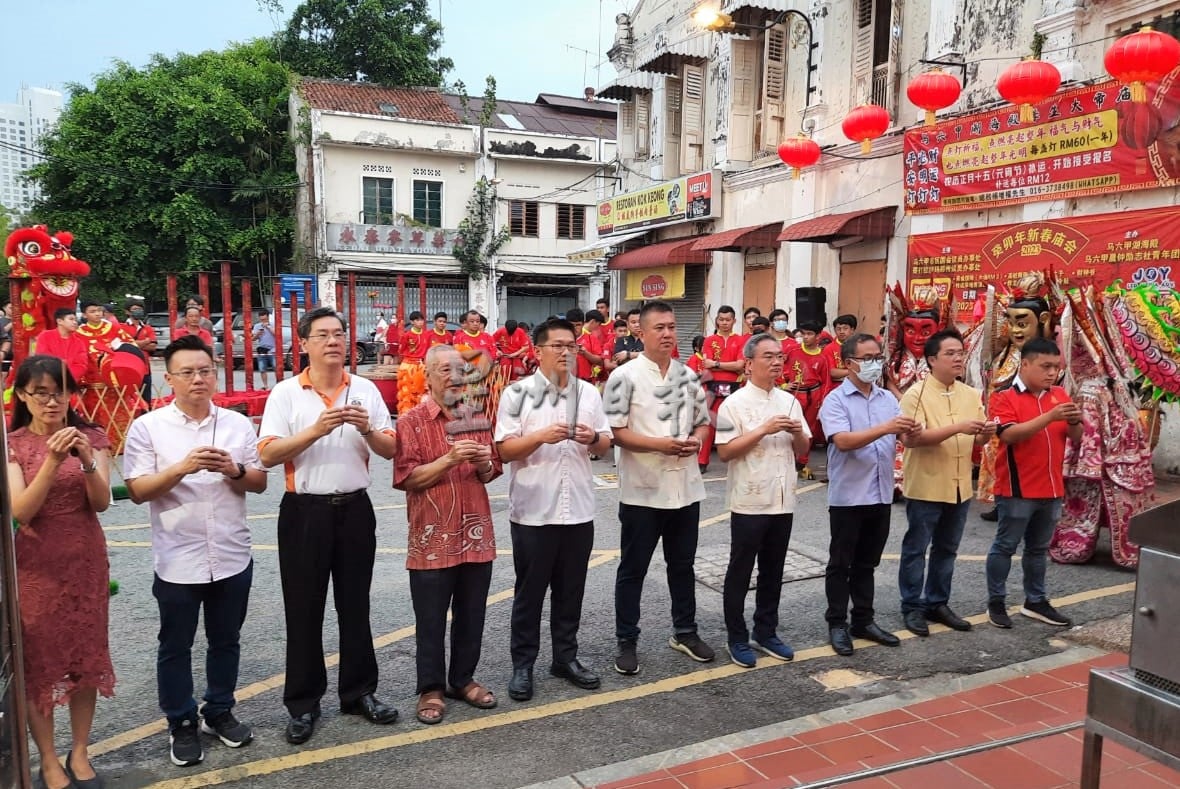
[[22, 124]]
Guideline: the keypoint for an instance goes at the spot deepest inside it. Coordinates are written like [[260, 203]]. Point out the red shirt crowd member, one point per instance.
[[192, 325], [606, 331], [392, 338], [591, 353], [452, 542], [844, 326], [439, 334], [724, 363], [514, 349], [808, 378], [748, 320], [412, 344], [780, 330], [64, 343]]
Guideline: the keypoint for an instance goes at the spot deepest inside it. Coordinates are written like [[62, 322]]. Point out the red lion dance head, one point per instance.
[[45, 278]]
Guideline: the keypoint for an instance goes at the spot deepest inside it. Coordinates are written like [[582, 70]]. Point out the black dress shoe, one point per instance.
[[841, 641], [915, 622], [520, 687], [577, 674], [944, 615], [300, 729], [371, 709], [872, 632], [990, 515]]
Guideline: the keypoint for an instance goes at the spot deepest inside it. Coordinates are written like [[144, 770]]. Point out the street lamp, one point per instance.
[[714, 19]]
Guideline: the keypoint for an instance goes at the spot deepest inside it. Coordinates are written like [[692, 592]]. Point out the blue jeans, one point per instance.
[[225, 610], [938, 526], [1032, 520]]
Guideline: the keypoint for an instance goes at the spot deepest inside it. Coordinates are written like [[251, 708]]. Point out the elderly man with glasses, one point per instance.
[[321, 426], [548, 426], [195, 463], [938, 484]]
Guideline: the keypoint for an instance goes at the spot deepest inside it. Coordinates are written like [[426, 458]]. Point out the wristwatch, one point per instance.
[[241, 472]]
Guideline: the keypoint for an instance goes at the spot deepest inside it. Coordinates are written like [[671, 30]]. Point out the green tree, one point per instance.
[[392, 42], [174, 166]]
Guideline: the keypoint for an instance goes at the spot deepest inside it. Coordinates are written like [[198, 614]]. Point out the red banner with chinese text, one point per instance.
[[1089, 140], [1134, 246]]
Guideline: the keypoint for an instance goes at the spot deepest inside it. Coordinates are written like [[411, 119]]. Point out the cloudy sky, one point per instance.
[[530, 46]]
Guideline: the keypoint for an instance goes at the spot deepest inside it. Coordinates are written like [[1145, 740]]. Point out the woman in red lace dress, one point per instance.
[[59, 479]]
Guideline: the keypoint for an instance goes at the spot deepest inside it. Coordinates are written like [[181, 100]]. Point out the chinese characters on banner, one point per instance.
[[689, 197], [1134, 246], [1090, 140]]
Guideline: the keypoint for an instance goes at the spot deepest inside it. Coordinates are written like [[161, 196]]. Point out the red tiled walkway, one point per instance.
[[1006, 709]]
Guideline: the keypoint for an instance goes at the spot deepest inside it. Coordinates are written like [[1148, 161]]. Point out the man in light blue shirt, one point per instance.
[[862, 422]]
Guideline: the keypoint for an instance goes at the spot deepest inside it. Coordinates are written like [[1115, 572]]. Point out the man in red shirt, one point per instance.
[[513, 346], [192, 325], [144, 337], [844, 327], [452, 543], [1034, 417], [64, 343], [471, 335], [725, 363], [606, 331], [439, 334], [807, 377]]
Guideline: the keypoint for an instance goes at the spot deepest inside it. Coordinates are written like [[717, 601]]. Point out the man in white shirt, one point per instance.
[[657, 409], [321, 426], [195, 463], [547, 427], [760, 432]]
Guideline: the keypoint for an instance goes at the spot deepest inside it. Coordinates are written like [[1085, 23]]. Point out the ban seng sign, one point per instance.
[[662, 282], [1090, 140], [1134, 246], [683, 199]]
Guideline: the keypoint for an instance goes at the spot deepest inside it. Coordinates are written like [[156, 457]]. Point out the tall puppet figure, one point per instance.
[[1028, 314], [910, 322], [45, 275], [1108, 476]]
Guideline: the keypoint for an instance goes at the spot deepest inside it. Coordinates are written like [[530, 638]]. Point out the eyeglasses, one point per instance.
[[562, 347], [878, 358], [188, 375], [953, 354], [322, 336], [43, 397]]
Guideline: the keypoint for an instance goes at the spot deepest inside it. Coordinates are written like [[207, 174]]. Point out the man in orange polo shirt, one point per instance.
[[1034, 417], [321, 426], [725, 363]]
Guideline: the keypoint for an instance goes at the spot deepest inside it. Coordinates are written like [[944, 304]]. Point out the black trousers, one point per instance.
[[322, 538], [763, 538], [858, 538], [642, 528], [548, 557], [462, 590]]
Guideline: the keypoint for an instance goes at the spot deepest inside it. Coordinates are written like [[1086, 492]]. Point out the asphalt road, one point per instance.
[[672, 703]]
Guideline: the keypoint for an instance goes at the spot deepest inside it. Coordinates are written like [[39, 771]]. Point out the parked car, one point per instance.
[[365, 351], [159, 322]]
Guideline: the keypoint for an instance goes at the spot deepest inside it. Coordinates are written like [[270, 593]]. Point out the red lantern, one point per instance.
[[1139, 125], [1028, 82], [933, 91], [798, 152], [1143, 56], [865, 124]]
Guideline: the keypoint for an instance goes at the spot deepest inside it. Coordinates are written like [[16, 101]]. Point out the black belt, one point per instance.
[[334, 499]]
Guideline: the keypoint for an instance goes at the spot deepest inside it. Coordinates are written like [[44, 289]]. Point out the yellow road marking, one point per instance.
[[126, 738], [521, 715]]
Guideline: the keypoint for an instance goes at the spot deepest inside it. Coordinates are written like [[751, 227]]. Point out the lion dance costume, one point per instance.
[[45, 277]]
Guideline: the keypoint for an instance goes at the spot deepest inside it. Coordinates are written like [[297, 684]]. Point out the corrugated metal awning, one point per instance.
[[598, 249], [866, 224], [667, 53], [666, 253], [623, 87], [741, 238], [734, 6]]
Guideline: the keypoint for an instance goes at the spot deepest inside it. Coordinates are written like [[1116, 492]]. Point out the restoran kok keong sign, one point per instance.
[[1085, 141], [1134, 246]]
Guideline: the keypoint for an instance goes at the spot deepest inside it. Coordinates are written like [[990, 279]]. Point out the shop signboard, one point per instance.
[[1134, 246], [661, 282], [1085, 141], [686, 199]]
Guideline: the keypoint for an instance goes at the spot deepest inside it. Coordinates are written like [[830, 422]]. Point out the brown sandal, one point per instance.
[[474, 694], [431, 701]]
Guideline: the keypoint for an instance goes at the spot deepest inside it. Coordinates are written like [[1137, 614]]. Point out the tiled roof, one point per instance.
[[367, 99], [545, 117]]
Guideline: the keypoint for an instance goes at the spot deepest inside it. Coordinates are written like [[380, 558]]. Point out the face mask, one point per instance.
[[780, 325], [870, 372]]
